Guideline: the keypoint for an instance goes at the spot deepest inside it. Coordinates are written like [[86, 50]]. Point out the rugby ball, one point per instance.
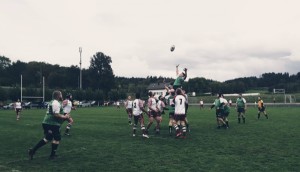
[[172, 48]]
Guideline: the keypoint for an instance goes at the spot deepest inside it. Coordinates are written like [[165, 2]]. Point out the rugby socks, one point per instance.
[[266, 116], [170, 129], [53, 151], [227, 123], [68, 128], [258, 115], [39, 144], [244, 120], [134, 128], [239, 119]]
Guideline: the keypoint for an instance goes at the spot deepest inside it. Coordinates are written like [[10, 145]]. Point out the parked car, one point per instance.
[[9, 106], [85, 104], [39, 105]]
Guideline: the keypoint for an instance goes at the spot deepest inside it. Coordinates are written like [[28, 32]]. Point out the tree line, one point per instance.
[[100, 83]]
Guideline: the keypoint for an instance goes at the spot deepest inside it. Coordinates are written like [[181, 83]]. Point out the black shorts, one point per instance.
[[154, 114], [137, 118], [262, 109], [52, 132], [18, 110], [179, 117], [129, 111], [241, 110]]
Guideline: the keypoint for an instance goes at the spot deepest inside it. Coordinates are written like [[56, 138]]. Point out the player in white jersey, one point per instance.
[[186, 110], [180, 113], [128, 107], [67, 107], [18, 108], [153, 112], [161, 105], [137, 111]]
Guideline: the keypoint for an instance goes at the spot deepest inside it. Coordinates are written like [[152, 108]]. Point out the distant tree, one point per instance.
[[101, 74]]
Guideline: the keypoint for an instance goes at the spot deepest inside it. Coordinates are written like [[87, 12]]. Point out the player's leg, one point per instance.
[[55, 142], [184, 128], [129, 113], [151, 119], [244, 116], [69, 125], [135, 122], [48, 137], [171, 121], [239, 115], [175, 125], [158, 122], [141, 119], [187, 124], [265, 113], [18, 114]]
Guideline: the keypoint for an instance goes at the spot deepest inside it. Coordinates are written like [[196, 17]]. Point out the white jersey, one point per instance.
[[152, 103], [201, 102], [137, 107], [128, 104], [18, 105], [222, 100], [180, 102], [67, 106], [161, 105]]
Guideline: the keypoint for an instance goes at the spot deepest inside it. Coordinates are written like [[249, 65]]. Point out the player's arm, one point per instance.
[[185, 70], [141, 105], [177, 71], [56, 110]]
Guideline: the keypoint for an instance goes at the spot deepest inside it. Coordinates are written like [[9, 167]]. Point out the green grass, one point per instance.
[[101, 141]]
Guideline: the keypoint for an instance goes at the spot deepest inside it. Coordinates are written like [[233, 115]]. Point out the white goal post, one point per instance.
[[32, 97]]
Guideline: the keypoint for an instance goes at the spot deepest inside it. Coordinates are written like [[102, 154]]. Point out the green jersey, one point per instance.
[[170, 103], [226, 109], [217, 103], [179, 81], [54, 107], [240, 102]]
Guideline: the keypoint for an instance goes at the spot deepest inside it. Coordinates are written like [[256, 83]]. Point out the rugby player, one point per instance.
[[51, 125], [261, 108], [153, 112], [137, 111], [18, 108], [180, 113], [128, 107], [68, 106], [241, 107], [180, 78]]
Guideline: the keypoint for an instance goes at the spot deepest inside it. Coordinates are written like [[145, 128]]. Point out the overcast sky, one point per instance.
[[215, 39]]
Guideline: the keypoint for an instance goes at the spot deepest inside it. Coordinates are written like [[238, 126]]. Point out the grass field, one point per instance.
[[101, 141]]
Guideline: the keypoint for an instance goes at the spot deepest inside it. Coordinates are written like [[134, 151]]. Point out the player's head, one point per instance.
[[69, 96], [220, 95], [137, 95], [57, 95], [258, 97], [178, 91], [240, 95], [129, 97], [150, 94]]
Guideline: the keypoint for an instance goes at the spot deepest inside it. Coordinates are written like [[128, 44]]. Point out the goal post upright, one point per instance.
[[32, 97]]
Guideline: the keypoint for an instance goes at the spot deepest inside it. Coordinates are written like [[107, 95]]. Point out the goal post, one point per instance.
[[33, 97]]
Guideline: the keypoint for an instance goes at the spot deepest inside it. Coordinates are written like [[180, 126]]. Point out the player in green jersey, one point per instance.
[[180, 78], [171, 108], [241, 107], [51, 125]]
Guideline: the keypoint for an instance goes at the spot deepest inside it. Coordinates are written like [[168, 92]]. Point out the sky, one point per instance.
[[214, 39]]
